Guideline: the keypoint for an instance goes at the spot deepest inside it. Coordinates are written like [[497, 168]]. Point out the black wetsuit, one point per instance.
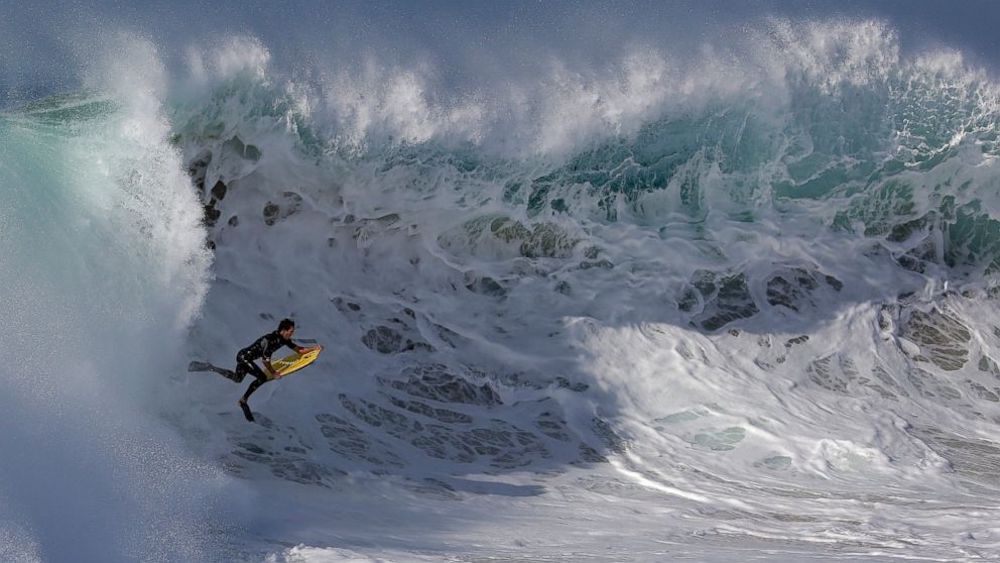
[[263, 347]]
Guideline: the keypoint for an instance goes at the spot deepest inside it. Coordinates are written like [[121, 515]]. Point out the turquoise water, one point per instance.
[[102, 265], [777, 268]]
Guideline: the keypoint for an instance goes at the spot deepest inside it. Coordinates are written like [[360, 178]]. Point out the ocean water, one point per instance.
[[736, 306]]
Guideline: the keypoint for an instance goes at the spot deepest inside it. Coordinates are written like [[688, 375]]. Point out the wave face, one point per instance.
[[104, 267], [750, 298]]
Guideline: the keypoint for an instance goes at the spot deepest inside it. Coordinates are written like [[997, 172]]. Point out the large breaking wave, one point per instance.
[[104, 267], [760, 284]]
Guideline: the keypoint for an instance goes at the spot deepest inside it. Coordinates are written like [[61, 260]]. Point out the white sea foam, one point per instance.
[[104, 268], [646, 310], [801, 424]]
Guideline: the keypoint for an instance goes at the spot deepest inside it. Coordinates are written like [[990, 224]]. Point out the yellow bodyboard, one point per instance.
[[293, 363]]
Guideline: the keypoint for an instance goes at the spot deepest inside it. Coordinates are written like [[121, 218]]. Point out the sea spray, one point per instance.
[[745, 295], [104, 265], [735, 283]]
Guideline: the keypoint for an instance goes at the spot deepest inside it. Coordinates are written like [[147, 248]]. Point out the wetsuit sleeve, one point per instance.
[[293, 346], [262, 346]]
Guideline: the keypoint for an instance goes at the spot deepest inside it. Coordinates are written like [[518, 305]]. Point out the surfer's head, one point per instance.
[[286, 327]]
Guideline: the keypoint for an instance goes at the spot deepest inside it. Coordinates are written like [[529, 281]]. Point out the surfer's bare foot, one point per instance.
[[246, 410]]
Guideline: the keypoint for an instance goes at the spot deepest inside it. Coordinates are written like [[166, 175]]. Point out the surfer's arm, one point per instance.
[[301, 349]]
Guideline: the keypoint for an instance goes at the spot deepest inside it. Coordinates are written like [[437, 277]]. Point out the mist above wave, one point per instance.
[[557, 268]]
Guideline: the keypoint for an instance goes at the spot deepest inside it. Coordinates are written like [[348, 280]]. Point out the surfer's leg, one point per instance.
[[243, 367], [260, 379], [205, 366], [253, 387], [238, 375]]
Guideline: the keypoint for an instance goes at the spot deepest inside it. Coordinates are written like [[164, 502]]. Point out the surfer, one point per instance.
[[262, 349]]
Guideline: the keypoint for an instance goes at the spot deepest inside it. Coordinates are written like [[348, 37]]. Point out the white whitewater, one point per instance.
[[636, 312]]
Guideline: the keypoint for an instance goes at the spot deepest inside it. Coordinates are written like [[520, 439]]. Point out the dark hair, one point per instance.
[[286, 324]]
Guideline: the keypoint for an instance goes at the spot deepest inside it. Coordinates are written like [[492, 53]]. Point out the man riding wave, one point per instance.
[[262, 349]]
